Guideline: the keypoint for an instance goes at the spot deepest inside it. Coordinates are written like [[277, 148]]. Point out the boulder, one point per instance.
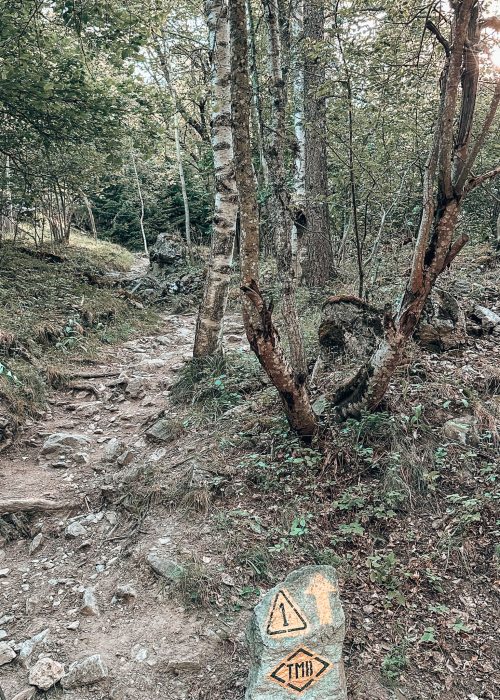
[[295, 639], [488, 320], [85, 672], [349, 332], [45, 673], [61, 441], [168, 253], [442, 323]]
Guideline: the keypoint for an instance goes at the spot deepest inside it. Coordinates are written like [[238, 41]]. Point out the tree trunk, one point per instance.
[[447, 181], [317, 254], [208, 338], [261, 333], [162, 53], [141, 200], [281, 202], [182, 178], [90, 213]]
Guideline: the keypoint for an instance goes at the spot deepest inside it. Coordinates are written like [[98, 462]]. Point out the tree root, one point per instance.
[[26, 505]]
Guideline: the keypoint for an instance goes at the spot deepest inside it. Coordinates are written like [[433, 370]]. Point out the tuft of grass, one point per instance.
[[101, 253], [218, 383], [195, 586]]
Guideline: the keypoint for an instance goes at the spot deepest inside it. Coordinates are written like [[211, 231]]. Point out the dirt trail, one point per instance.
[[152, 646]]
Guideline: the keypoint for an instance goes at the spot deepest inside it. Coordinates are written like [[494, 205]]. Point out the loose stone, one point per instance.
[[89, 606], [85, 672], [45, 673]]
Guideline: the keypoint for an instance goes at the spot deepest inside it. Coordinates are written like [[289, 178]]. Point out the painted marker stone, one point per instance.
[[295, 639]]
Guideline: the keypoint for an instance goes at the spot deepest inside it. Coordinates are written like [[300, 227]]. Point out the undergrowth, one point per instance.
[[219, 383]]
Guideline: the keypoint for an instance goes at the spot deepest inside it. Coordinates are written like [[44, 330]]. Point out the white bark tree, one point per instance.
[[209, 326]]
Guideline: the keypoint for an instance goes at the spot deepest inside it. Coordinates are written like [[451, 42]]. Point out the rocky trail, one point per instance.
[[87, 580]]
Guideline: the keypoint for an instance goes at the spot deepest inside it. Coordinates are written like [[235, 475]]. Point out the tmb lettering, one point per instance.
[[300, 670]]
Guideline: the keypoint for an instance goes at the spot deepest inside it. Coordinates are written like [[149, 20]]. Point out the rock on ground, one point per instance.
[[36, 543], [85, 672], [459, 429], [25, 694], [46, 673], [58, 441], [126, 593], [7, 653], [295, 639], [89, 605], [165, 567], [27, 648], [164, 430], [74, 530]]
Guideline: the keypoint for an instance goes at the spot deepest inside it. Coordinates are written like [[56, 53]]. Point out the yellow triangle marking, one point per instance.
[[285, 618]]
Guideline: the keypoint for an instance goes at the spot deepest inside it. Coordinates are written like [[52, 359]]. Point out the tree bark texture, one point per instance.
[[282, 221], [316, 254], [261, 333], [208, 338]]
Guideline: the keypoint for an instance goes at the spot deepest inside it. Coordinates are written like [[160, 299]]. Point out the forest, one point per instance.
[[249, 332]]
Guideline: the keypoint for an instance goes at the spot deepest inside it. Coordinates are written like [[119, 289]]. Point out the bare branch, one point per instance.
[[435, 30], [477, 181], [469, 164], [490, 23]]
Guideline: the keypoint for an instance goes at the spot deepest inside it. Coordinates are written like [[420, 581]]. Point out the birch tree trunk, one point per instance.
[[261, 333], [317, 252], [208, 338], [163, 54], [299, 187], [281, 201], [182, 178], [447, 181], [8, 220], [141, 201]]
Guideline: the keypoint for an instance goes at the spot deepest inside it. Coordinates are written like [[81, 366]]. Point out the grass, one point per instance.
[[55, 310], [218, 383]]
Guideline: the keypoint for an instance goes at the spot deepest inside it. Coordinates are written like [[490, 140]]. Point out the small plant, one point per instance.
[[435, 580], [195, 586], [299, 525], [395, 663], [353, 498], [428, 636], [257, 560], [6, 372], [460, 626]]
